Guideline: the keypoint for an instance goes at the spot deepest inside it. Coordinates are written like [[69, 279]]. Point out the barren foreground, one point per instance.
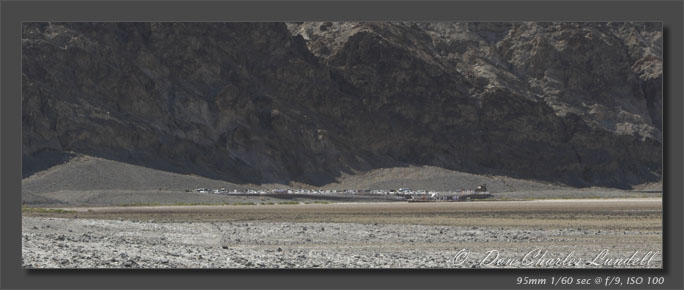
[[571, 233]]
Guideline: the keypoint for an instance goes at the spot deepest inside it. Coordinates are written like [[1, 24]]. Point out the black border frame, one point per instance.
[[12, 13]]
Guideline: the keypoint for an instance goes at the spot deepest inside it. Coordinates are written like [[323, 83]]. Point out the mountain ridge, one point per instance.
[[310, 102]]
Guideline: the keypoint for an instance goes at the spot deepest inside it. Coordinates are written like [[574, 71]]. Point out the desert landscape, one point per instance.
[[342, 145]]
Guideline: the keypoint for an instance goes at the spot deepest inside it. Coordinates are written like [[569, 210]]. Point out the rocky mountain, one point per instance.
[[573, 103]]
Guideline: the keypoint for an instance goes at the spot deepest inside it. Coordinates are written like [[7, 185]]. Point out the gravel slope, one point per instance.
[[85, 172], [434, 178]]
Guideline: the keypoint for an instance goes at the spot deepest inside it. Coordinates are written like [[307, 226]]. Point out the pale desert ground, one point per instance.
[[350, 235]]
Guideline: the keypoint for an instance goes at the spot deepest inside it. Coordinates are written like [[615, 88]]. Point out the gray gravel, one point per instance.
[[84, 243]]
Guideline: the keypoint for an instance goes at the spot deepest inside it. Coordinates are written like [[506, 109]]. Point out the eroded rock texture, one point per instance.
[[575, 103]]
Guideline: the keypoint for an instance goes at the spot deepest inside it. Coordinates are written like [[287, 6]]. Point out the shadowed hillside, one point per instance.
[[572, 103]]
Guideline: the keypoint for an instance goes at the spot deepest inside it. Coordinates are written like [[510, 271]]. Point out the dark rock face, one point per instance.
[[271, 102]]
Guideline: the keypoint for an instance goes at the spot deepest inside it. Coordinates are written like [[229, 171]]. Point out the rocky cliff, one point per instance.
[[575, 103]]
